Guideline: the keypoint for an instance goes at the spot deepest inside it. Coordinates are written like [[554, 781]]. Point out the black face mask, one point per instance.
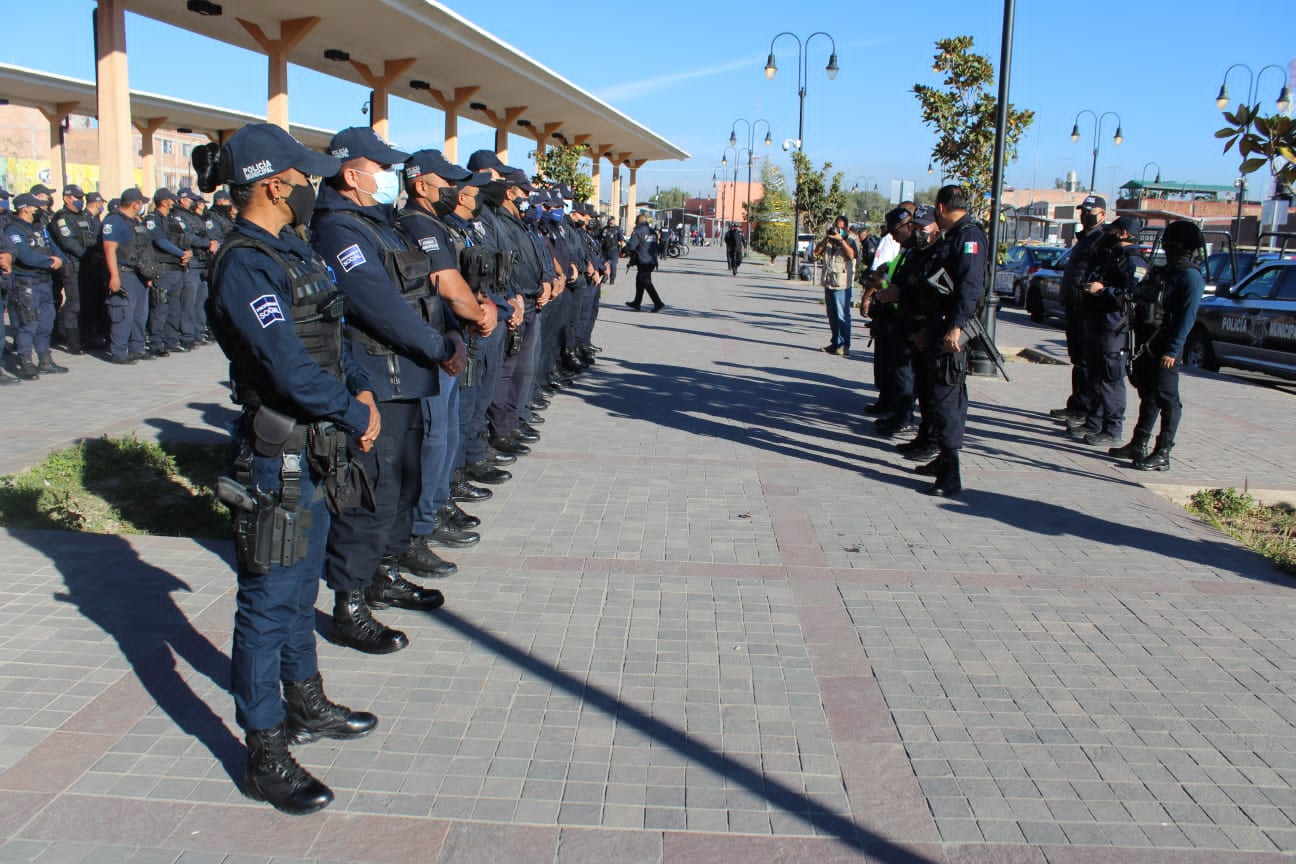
[[226, 210], [447, 200], [493, 193], [1088, 220], [301, 201]]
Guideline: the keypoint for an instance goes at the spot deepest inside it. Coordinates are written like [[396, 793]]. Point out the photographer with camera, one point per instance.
[[839, 251], [1165, 307]]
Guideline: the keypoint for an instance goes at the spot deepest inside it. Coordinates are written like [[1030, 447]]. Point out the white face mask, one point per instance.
[[386, 186]]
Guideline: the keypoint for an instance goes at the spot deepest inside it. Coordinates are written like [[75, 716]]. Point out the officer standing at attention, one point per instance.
[[1118, 267], [167, 293], [1165, 309], [642, 249], [612, 239], [75, 233], [1093, 212], [385, 280], [193, 320], [221, 214], [94, 279], [278, 318], [955, 286], [31, 295], [127, 246]]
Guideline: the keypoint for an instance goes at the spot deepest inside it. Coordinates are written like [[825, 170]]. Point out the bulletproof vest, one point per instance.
[[196, 226], [80, 224], [478, 265], [174, 233], [1149, 300], [434, 307], [36, 239], [408, 268], [316, 306]]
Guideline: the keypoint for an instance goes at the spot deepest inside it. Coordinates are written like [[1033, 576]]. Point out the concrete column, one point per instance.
[[381, 86], [598, 153], [147, 129], [631, 210], [452, 105], [291, 32], [616, 189], [116, 156], [502, 126], [56, 119]]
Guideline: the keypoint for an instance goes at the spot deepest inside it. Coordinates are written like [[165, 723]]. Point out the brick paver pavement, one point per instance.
[[712, 618]]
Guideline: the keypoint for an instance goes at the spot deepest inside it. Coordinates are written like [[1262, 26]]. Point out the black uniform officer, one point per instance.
[[129, 259], [893, 371], [1117, 268], [170, 290], [642, 249], [954, 287], [1165, 309], [612, 239], [735, 243], [1093, 211], [221, 214], [921, 258], [94, 279], [76, 234], [385, 279], [595, 271], [193, 317], [31, 295], [278, 318]]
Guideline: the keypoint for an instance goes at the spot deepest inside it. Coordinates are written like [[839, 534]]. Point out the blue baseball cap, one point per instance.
[[361, 142], [924, 216], [73, 190], [26, 199], [423, 162], [262, 149], [477, 178], [131, 195], [488, 159], [517, 177], [897, 217], [163, 194]]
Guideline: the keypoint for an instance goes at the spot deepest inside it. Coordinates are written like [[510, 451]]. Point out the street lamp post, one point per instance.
[[1283, 102], [751, 157], [771, 69], [1097, 136], [1143, 176]]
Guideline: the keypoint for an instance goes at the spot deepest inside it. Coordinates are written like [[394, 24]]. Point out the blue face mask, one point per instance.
[[386, 187], [554, 215]]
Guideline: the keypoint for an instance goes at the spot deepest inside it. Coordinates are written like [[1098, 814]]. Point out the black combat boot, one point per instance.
[[460, 518], [390, 588], [446, 533], [274, 776], [918, 450], [932, 468], [511, 446], [571, 362], [420, 560], [484, 472], [948, 482], [1136, 449], [355, 627], [524, 433], [27, 371], [462, 490], [1157, 460], [47, 364], [311, 715]]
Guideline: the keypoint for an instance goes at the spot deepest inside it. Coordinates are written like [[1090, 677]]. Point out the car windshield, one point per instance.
[[1047, 257]]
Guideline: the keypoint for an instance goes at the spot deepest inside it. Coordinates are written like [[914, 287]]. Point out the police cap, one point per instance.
[[434, 162], [1093, 202], [40, 189], [361, 142], [896, 218], [565, 191], [222, 197], [263, 149], [924, 216], [483, 160], [477, 178], [131, 195], [26, 199], [94, 198], [1128, 224], [4, 194], [517, 177], [74, 191], [163, 194]]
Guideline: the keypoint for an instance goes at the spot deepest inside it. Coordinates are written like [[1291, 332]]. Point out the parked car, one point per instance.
[[804, 258], [1250, 326], [1021, 263], [1044, 290]]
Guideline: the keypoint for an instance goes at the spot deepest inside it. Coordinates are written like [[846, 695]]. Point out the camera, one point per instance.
[[832, 232]]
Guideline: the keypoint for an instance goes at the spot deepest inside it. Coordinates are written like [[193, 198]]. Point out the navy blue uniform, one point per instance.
[[1167, 320], [962, 257], [642, 250], [127, 308], [531, 267], [1118, 267], [31, 292], [252, 315], [1080, 402], [171, 291], [401, 353], [76, 234]]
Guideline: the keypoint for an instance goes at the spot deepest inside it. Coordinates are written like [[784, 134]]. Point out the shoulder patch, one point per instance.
[[971, 247], [64, 229], [16, 239], [107, 228], [430, 243], [1140, 273], [350, 258], [266, 308]]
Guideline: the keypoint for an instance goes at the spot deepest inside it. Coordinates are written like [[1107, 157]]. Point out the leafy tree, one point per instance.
[[865, 205], [670, 199], [819, 199], [963, 115], [563, 165], [1263, 141], [771, 216]]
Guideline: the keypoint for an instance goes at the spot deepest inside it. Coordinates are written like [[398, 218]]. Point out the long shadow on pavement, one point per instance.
[[772, 790]]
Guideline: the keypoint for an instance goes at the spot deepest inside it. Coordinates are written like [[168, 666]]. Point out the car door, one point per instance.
[[1278, 314], [1239, 335], [1012, 268]]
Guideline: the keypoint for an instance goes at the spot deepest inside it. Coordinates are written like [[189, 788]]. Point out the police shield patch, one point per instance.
[[350, 258], [266, 308], [65, 230], [430, 244]]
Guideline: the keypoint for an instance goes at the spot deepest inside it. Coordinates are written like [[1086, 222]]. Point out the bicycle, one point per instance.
[[676, 249]]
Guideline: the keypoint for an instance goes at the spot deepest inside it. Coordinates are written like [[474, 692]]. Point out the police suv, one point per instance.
[[1251, 326]]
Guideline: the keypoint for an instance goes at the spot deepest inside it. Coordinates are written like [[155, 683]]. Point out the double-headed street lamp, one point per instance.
[[751, 151], [771, 69], [1097, 136], [1283, 102]]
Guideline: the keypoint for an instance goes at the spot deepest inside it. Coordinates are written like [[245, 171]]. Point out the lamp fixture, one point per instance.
[[770, 69], [768, 139], [733, 139], [1075, 132], [1284, 99], [477, 106], [419, 84], [524, 123], [1222, 100], [204, 7], [832, 68], [1119, 136], [336, 55]]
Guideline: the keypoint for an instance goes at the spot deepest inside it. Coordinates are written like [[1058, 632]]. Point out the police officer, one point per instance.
[[735, 243], [641, 248], [612, 239], [1117, 268], [170, 290], [31, 295], [954, 287], [76, 234], [583, 351], [278, 318], [921, 257], [385, 280], [1165, 309], [548, 207], [193, 318], [94, 279], [1093, 212], [893, 372], [221, 214], [128, 246]]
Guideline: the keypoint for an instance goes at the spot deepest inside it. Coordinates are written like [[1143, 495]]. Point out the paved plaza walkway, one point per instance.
[[712, 619]]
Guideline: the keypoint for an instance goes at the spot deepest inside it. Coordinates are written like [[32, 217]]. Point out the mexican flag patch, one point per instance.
[[971, 247]]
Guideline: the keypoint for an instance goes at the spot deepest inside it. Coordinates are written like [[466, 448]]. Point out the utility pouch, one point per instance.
[[26, 305], [157, 293], [270, 431], [411, 265], [473, 366], [265, 534], [951, 367], [513, 345]]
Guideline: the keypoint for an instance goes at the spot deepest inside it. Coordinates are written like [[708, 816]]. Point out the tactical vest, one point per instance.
[[175, 234], [408, 269], [316, 307], [138, 254], [435, 306], [199, 236], [79, 224], [35, 238]]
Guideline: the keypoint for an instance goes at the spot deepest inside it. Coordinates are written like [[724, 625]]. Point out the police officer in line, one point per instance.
[[31, 293], [921, 258], [6, 275], [193, 317], [641, 248], [548, 205], [430, 184], [1093, 212], [131, 263], [1118, 266], [1165, 309], [612, 239], [221, 214], [94, 279], [75, 234], [893, 368], [954, 286], [45, 205], [385, 280], [167, 292], [596, 270], [278, 318]]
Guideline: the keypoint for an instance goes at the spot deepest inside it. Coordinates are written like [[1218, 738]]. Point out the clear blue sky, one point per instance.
[[688, 71]]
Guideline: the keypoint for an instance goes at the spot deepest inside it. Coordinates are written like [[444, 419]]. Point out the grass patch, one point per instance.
[[1269, 530], [121, 486]]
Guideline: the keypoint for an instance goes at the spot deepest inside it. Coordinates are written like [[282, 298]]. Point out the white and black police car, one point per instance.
[[1250, 326]]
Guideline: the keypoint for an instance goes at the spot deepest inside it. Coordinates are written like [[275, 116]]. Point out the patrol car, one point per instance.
[[1250, 326]]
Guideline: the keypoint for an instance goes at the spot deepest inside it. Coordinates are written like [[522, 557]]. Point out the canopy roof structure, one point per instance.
[[421, 51], [65, 95]]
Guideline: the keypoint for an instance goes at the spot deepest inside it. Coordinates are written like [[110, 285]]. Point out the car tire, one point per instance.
[[1198, 354], [1034, 305], [1019, 294]]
